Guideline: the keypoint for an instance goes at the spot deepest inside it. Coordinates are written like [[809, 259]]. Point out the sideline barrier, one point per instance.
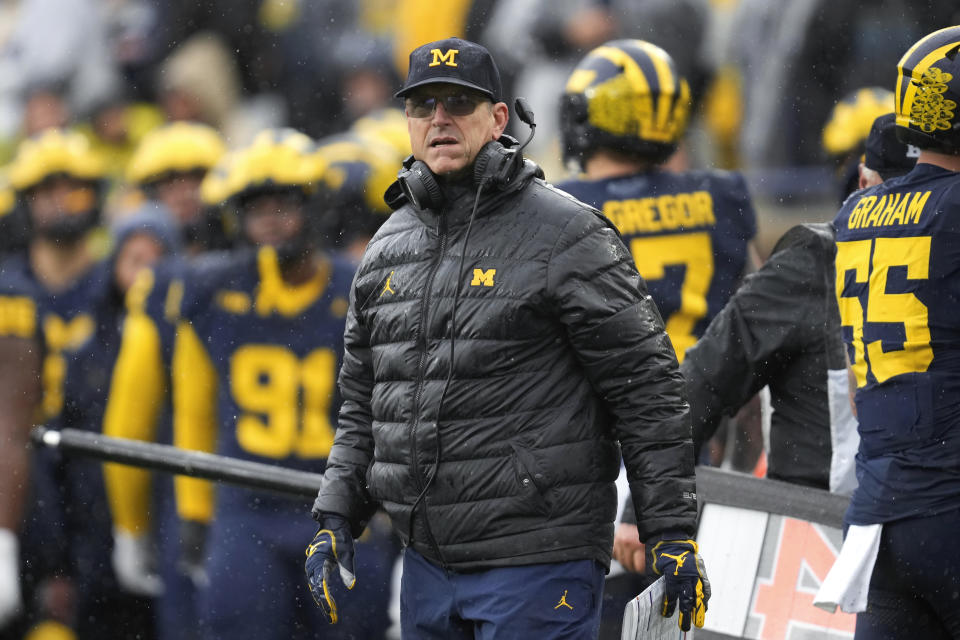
[[767, 545]]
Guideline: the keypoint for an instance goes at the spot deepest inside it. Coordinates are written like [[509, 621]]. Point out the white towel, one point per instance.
[[847, 583]]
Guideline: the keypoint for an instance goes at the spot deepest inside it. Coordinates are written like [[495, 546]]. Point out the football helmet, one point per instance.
[[54, 152], [359, 170], [627, 96], [850, 120], [180, 147], [927, 92], [59, 153], [276, 160]]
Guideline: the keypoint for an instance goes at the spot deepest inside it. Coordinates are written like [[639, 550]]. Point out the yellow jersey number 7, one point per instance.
[[870, 262], [285, 400], [694, 251]]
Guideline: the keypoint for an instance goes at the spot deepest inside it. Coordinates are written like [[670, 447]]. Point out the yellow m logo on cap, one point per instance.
[[481, 277], [448, 58]]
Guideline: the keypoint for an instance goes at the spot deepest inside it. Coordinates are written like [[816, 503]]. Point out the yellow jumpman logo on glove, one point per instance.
[[680, 559]]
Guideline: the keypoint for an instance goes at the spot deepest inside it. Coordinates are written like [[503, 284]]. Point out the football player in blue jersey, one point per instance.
[[623, 114], [139, 240], [166, 166], [58, 180], [361, 164], [257, 351], [169, 166], [897, 285]]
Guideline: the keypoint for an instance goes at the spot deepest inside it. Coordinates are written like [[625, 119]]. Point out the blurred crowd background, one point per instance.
[[767, 76]]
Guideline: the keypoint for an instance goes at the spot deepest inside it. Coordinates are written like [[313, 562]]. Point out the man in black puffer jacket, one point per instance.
[[501, 355]]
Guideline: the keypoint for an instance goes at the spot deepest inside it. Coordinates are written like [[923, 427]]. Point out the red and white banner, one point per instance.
[[765, 570]]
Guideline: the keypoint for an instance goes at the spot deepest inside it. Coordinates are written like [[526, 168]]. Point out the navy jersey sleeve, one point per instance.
[[19, 303], [740, 202]]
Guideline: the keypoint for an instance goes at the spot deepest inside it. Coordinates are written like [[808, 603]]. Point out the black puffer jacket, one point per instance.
[[559, 354]]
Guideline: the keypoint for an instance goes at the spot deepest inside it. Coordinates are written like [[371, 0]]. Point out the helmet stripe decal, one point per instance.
[[665, 78], [633, 73]]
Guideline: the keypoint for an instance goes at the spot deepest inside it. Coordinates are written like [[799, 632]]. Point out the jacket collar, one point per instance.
[[460, 197]]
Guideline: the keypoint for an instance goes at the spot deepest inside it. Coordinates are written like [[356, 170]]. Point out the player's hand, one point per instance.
[[133, 563], [330, 550], [193, 543], [10, 599], [685, 580], [627, 548]]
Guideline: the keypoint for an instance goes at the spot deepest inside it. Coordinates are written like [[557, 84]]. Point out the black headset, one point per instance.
[[495, 166]]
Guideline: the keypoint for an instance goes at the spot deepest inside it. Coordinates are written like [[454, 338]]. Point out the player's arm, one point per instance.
[[137, 389], [195, 428], [768, 319], [19, 398], [194, 418]]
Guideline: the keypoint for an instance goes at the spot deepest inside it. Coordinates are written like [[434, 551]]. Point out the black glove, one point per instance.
[[685, 580], [193, 543], [332, 548]]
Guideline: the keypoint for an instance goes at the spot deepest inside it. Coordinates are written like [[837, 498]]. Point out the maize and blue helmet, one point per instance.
[[928, 91], [626, 96]]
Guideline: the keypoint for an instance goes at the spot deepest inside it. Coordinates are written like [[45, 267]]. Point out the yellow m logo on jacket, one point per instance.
[[483, 277]]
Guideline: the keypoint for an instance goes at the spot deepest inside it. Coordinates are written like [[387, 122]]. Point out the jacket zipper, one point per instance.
[[422, 343]]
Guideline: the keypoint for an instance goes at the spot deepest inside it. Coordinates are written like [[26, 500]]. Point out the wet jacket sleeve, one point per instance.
[[344, 489], [619, 338], [765, 324]]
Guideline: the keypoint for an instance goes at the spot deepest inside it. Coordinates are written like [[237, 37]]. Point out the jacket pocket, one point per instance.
[[532, 480]]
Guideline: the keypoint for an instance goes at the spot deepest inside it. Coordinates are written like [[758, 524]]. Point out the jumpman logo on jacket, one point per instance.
[[386, 287], [563, 601]]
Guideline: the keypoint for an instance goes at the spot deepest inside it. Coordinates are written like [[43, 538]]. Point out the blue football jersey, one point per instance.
[[66, 321], [276, 353], [688, 234], [19, 296], [898, 288]]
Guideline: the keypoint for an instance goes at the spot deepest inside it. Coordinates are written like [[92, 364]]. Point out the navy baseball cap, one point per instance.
[[885, 154], [453, 61]]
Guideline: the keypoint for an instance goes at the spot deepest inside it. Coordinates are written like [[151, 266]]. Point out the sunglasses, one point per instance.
[[457, 104]]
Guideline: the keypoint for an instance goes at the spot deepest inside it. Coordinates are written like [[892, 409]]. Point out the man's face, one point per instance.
[[58, 198], [140, 250], [449, 143], [273, 219], [180, 193]]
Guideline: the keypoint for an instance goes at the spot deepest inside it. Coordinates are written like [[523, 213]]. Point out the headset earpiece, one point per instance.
[[419, 184], [495, 164]]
